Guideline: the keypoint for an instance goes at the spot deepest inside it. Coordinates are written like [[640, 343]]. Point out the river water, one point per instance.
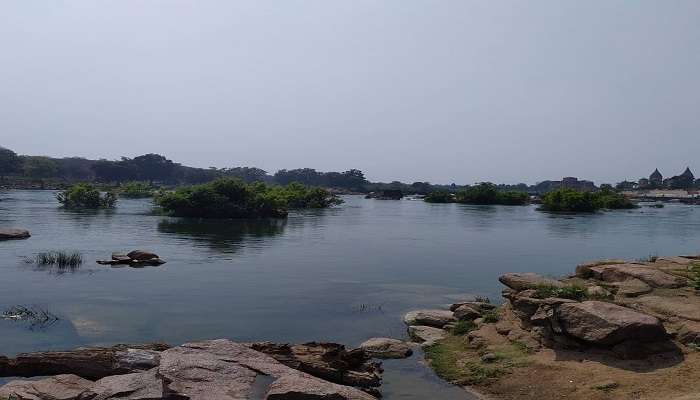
[[343, 274]]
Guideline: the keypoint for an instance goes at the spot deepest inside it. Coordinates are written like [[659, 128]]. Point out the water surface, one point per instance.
[[344, 274]]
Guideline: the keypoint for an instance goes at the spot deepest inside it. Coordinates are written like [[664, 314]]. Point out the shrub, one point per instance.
[[570, 200], [439, 197], [232, 198], [487, 193], [136, 190], [463, 327], [573, 292], [83, 195], [490, 317]]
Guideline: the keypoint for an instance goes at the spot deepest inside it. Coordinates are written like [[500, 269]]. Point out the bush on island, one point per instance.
[[483, 193], [83, 195], [233, 198], [570, 200]]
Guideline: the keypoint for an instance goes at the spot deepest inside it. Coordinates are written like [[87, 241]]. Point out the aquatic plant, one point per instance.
[[36, 317], [61, 259], [83, 195], [233, 198], [570, 200]]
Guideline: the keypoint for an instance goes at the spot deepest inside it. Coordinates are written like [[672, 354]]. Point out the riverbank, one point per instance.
[[614, 330]]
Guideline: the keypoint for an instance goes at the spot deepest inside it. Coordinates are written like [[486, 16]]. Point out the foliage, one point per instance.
[[573, 292], [695, 276], [353, 179], [233, 198], [570, 200], [9, 162], [463, 327], [136, 190], [488, 193], [83, 195], [490, 317], [40, 167], [440, 197], [482, 299], [61, 259]]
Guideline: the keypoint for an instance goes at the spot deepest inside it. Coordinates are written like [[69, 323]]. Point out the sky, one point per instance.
[[440, 91]]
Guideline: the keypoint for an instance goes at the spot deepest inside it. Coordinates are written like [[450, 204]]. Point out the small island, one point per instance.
[[481, 194]]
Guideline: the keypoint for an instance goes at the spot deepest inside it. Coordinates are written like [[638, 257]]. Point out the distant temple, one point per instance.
[[656, 178]]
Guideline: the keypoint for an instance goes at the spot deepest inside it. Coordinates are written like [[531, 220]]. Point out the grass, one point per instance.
[[573, 292], [490, 317], [455, 361], [461, 328], [694, 277], [63, 260]]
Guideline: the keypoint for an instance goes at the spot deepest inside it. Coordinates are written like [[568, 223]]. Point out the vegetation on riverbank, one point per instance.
[[483, 194], [569, 200], [83, 195], [136, 190], [233, 198]]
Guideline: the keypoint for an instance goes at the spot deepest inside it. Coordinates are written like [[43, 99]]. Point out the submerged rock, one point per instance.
[[434, 318], [8, 234], [387, 348]]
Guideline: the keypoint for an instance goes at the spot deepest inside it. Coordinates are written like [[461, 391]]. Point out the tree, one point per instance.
[[9, 162], [39, 167], [153, 167]]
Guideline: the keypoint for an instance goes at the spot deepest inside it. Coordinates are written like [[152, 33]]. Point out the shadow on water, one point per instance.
[[222, 235]]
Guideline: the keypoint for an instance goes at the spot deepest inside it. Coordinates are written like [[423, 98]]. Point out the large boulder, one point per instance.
[[649, 275], [58, 387], [387, 348], [141, 255], [137, 386], [7, 234], [426, 335], [467, 312], [434, 318], [607, 324], [584, 270], [525, 281]]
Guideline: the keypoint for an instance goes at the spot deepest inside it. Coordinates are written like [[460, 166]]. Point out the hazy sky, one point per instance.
[[443, 91]]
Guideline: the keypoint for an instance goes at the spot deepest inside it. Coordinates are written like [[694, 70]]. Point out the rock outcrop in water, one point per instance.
[[215, 369], [9, 234], [136, 258]]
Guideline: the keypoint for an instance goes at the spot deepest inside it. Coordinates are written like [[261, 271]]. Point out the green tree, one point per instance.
[[9, 162], [83, 195], [40, 168]]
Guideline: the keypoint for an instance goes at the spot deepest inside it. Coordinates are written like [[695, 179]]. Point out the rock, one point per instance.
[[689, 333], [489, 357], [670, 307], [434, 318], [598, 292], [59, 387], [426, 335], [524, 281], [137, 386], [8, 234], [120, 257], [479, 305], [467, 312], [136, 359], [290, 387], [674, 260], [632, 287], [386, 348], [649, 275], [607, 324], [141, 255], [329, 361], [584, 270]]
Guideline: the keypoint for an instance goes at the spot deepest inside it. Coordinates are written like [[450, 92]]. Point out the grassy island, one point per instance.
[[570, 200], [233, 198], [483, 193], [83, 195], [136, 190]]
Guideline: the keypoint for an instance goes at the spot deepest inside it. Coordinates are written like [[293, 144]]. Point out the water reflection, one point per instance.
[[227, 236]]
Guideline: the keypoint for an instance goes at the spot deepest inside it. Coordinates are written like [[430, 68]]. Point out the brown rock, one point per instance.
[[9, 234], [387, 348], [631, 287], [689, 332], [426, 335], [607, 324], [524, 281], [59, 387], [467, 312], [584, 270], [434, 318], [479, 305], [299, 387], [137, 386], [141, 255], [649, 275]]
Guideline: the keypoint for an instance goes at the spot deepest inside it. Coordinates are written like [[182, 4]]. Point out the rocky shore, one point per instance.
[[614, 330]]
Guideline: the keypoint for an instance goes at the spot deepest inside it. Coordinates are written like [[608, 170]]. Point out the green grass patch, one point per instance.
[[461, 328], [455, 361], [573, 292], [60, 259], [490, 317]]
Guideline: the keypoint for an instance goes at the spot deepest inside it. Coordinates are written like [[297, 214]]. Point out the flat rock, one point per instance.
[[689, 332], [299, 387], [649, 275], [7, 234], [479, 305], [632, 287], [137, 386], [58, 387], [670, 307], [583, 270], [524, 281], [141, 255], [608, 324], [434, 318], [675, 260], [426, 335], [136, 359], [387, 348]]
